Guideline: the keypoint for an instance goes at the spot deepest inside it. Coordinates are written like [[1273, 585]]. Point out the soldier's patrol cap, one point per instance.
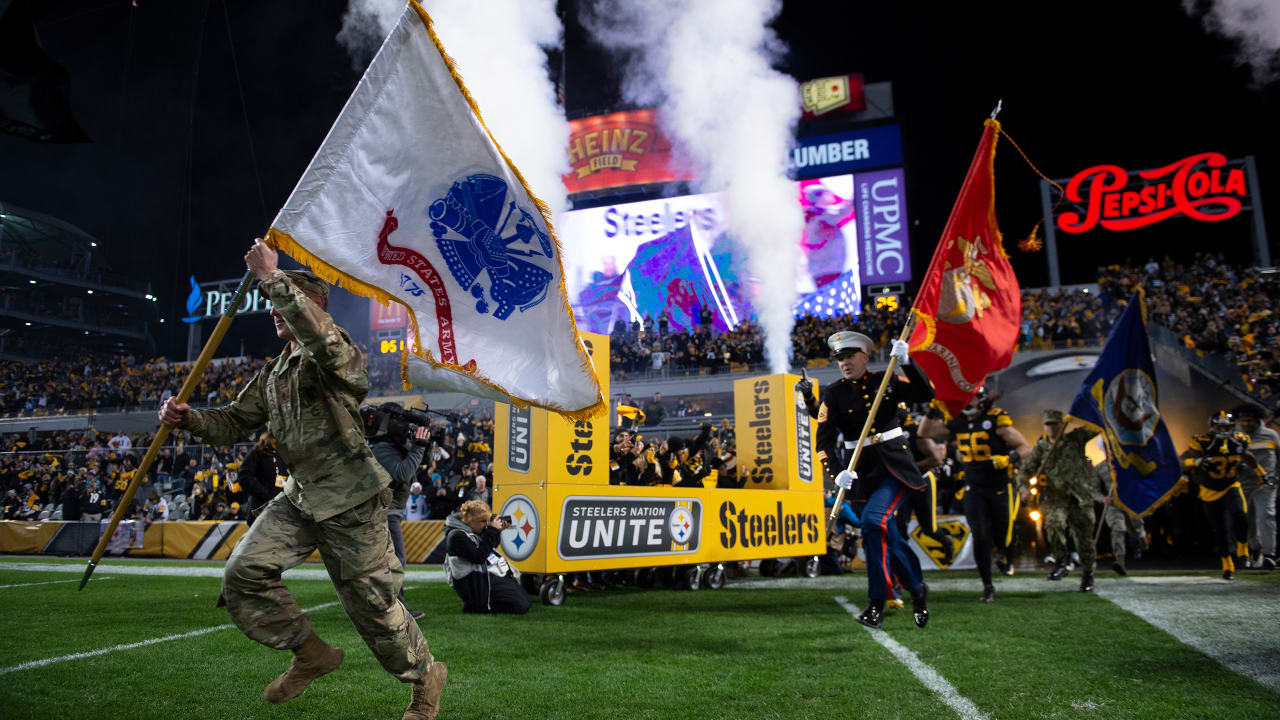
[[308, 282], [849, 341], [1051, 416]]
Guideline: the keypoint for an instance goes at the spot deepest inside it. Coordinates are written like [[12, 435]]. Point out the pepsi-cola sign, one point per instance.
[[1199, 187]]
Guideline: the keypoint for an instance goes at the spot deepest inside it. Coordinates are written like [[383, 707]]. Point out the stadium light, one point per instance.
[[89, 291], [1033, 491], [93, 244], [1033, 481], [149, 296], [28, 324], [1035, 515], [33, 282], [706, 414], [161, 319]]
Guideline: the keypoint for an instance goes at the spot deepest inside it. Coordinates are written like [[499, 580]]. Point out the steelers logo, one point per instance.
[[681, 525], [986, 424], [519, 540]]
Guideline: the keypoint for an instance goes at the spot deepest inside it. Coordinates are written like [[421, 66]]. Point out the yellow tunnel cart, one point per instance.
[[551, 476]]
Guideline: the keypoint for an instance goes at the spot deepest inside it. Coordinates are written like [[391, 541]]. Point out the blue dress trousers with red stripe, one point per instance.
[[886, 471]]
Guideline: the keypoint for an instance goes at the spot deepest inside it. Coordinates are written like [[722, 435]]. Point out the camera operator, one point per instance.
[[398, 438], [475, 569]]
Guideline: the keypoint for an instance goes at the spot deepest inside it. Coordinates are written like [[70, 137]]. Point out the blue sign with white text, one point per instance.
[[842, 152]]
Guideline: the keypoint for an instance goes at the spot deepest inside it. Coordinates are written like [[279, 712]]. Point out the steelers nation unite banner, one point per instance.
[[410, 199]]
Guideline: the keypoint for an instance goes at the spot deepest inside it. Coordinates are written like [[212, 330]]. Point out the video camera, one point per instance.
[[393, 423]]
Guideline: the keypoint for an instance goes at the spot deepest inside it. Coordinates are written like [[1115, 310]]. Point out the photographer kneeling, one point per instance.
[[475, 569]]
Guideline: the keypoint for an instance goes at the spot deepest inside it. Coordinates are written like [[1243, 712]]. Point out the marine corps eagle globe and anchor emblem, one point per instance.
[[468, 225]]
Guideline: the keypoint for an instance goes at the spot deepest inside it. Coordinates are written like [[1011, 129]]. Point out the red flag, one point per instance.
[[969, 306]]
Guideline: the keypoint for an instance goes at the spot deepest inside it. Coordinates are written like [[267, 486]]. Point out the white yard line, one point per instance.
[[923, 672], [1231, 622], [416, 575], [47, 582], [32, 664]]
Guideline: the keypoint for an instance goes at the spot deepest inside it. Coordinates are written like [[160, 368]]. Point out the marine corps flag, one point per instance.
[[1118, 399], [410, 199], [969, 306]]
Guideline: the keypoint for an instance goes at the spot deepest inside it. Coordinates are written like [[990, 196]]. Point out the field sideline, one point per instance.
[[145, 641]]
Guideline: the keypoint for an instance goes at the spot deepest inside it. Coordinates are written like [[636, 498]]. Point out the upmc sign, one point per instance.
[[882, 227], [1199, 187]]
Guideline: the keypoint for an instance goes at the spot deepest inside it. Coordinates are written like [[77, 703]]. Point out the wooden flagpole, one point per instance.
[[188, 387]]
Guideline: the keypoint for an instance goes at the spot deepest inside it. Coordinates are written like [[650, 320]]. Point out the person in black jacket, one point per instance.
[[473, 566], [886, 473], [71, 501], [263, 473]]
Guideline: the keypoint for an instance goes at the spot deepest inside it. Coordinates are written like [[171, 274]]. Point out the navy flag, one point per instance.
[[1119, 400]]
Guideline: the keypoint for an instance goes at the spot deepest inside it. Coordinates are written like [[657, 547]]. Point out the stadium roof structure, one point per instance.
[[58, 295]]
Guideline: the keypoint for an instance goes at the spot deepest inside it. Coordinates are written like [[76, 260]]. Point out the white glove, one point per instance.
[[899, 350], [845, 479]]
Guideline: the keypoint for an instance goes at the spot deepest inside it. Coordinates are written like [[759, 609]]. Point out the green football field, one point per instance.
[[144, 640]]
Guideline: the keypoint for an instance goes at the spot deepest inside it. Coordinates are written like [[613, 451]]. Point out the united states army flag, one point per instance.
[[411, 200]]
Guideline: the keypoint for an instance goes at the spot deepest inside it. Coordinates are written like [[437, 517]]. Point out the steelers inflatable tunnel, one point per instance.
[[552, 478]]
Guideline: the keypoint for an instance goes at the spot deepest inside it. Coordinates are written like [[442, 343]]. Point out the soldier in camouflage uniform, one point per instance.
[[334, 501], [1120, 522], [1065, 487]]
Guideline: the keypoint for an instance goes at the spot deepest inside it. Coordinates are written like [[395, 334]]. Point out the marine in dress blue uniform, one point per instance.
[[886, 473]]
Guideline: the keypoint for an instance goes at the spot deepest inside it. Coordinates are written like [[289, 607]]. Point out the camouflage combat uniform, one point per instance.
[[1065, 490], [335, 499], [1120, 522]]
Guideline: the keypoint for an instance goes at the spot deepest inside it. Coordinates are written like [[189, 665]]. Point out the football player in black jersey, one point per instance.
[[885, 475], [929, 456], [1215, 461], [989, 447]]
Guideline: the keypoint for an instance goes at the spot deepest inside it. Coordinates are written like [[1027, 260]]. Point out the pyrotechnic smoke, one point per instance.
[[707, 65], [1254, 24], [499, 48]]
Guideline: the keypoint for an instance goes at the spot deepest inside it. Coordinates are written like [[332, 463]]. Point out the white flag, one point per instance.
[[411, 199]]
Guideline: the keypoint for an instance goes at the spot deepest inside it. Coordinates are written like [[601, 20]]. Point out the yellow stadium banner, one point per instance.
[[188, 539]]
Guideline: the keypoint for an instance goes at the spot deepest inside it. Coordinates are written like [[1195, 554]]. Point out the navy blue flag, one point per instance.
[[1119, 400]]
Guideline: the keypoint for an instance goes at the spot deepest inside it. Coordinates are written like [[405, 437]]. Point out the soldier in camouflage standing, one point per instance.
[[334, 501], [1122, 524], [1066, 493]]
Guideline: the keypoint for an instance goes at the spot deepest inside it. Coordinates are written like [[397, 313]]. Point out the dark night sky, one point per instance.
[[170, 187]]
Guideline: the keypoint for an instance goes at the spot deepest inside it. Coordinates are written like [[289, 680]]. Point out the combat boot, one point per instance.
[[425, 703], [988, 593], [1268, 562], [1118, 567], [1059, 571], [873, 616], [920, 605], [1086, 581], [313, 658]]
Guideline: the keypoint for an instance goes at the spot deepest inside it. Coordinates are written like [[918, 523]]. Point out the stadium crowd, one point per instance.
[[74, 474], [101, 383]]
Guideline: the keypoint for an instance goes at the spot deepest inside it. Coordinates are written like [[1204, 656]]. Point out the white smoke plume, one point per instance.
[[499, 49], [707, 65], [1253, 24]]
